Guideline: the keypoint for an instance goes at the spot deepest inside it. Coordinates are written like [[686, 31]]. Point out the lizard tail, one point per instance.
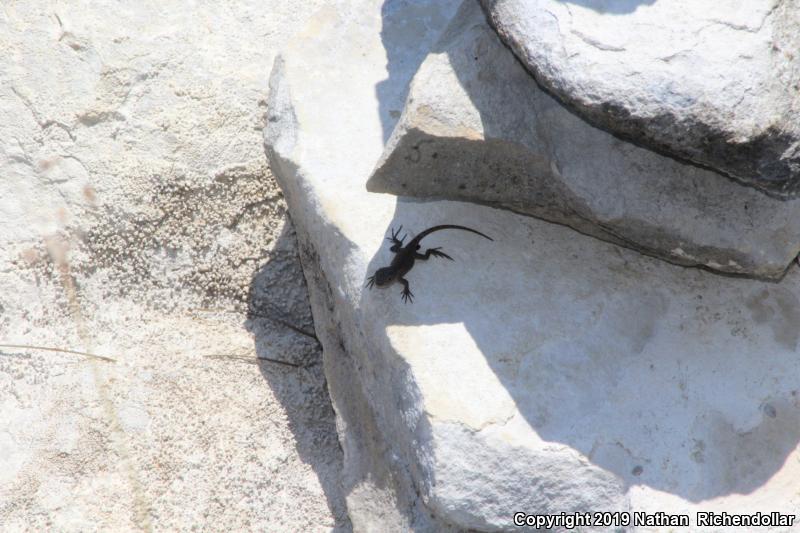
[[428, 231]]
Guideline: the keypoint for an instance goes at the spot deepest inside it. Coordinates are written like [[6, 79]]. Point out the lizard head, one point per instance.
[[384, 276]]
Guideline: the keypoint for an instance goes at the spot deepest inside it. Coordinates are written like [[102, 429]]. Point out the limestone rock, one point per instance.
[[716, 83], [546, 371], [477, 127], [138, 218]]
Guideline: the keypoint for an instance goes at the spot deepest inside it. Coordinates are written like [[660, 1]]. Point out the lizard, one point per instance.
[[405, 256]]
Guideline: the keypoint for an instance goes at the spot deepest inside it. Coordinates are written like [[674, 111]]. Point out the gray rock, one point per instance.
[[711, 82], [545, 371], [477, 127], [138, 217]]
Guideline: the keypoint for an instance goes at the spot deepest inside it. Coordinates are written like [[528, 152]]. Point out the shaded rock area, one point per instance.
[[140, 222], [477, 127], [716, 83], [547, 371]]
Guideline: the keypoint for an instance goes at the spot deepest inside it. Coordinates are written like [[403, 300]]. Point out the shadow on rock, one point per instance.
[[278, 298], [613, 7], [405, 23]]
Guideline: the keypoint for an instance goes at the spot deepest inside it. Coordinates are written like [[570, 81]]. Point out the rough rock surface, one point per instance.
[[477, 127], [546, 371], [138, 219], [716, 83]]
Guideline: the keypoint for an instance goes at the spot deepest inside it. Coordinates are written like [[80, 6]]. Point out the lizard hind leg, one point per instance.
[[435, 252], [406, 295], [370, 282]]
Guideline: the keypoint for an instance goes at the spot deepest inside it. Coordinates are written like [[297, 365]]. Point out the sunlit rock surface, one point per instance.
[[546, 371], [713, 82], [138, 221]]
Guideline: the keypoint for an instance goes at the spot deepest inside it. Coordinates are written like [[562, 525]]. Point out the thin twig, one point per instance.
[[285, 324], [50, 349], [251, 313], [247, 359]]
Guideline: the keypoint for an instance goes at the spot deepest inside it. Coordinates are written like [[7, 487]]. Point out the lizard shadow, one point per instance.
[[666, 377]]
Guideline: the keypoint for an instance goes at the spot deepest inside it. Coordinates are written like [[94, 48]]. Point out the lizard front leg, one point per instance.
[[397, 244], [432, 252], [407, 295]]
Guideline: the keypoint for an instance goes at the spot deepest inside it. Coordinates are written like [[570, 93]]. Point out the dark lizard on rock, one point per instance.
[[405, 256]]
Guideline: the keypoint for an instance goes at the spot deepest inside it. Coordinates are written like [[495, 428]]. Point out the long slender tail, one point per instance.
[[428, 231]]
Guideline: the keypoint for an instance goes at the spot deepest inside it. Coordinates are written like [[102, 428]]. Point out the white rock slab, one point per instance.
[[544, 372], [477, 127], [137, 217], [714, 82]]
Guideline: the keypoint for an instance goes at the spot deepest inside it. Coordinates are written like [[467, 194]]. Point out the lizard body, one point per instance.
[[405, 256]]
